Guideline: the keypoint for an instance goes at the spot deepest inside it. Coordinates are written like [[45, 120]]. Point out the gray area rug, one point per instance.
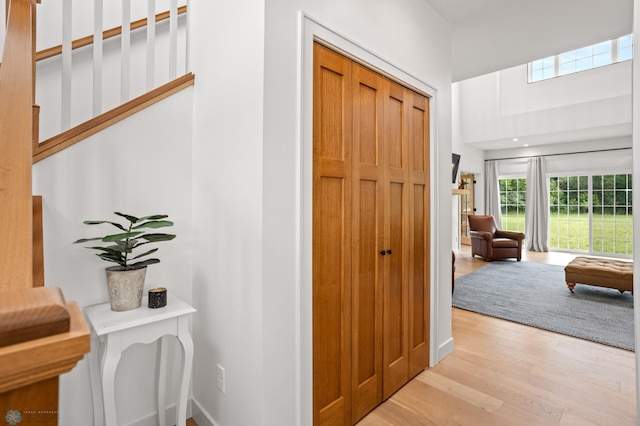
[[536, 294]]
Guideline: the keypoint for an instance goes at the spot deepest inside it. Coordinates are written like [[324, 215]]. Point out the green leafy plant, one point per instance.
[[121, 245]]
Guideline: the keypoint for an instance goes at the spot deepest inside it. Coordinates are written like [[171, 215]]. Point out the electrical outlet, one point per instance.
[[220, 378]]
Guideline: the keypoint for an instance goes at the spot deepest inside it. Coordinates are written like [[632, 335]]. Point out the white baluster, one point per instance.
[[173, 40], [125, 52], [151, 44], [98, 18], [65, 111], [186, 45]]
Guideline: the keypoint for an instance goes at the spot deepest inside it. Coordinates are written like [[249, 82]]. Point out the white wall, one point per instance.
[[471, 162], [249, 201], [227, 51], [140, 166], [588, 105], [636, 185]]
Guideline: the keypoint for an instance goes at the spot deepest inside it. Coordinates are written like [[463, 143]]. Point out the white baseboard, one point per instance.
[[445, 349], [170, 415], [201, 416]]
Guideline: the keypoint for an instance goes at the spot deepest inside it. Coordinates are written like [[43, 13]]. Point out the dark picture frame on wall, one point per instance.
[[455, 162]]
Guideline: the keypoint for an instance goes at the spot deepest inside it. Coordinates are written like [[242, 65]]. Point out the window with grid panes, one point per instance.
[[569, 212], [513, 193], [585, 58], [612, 227], [591, 214]]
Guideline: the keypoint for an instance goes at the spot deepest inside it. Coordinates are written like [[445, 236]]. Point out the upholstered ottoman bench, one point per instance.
[[616, 274]]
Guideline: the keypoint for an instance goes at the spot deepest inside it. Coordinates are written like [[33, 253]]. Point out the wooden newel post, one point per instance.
[[41, 335], [16, 95]]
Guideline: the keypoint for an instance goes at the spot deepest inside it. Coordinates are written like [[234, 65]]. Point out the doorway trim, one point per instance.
[[311, 30]]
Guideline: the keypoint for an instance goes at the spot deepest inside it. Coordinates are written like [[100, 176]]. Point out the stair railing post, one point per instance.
[[125, 52], [67, 21], [151, 45], [98, 23], [173, 43]]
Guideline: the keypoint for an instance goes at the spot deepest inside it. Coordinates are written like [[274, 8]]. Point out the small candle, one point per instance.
[[157, 297]]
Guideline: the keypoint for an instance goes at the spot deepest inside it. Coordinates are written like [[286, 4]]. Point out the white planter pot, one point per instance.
[[125, 288]]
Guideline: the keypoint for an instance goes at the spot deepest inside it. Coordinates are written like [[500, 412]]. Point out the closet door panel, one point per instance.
[[332, 189], [418, 283], [419, 239], [395, 322], [395, 297], [418, 128], [394, 127], [419, 137], [367, 243], [367, 306]]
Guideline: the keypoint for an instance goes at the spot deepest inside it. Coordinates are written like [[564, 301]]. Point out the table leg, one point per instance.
[[162, 380], [94, 372], [109, 365], [184, 337]]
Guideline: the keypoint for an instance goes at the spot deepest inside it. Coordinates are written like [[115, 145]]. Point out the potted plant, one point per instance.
[[126, 279]]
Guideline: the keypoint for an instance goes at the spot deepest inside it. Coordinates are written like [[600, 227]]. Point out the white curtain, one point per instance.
[[536, 215], [492, 192]]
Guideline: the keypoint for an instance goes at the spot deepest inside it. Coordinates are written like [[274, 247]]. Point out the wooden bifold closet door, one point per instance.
[[370, 237]]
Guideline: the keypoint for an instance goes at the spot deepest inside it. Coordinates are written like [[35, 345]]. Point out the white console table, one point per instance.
[[113, 332]]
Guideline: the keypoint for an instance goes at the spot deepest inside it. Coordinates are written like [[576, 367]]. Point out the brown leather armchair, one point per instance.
[[492, 243]]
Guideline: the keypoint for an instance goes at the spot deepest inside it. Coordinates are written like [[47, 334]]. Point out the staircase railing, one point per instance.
[[89, 83], [16, 101]]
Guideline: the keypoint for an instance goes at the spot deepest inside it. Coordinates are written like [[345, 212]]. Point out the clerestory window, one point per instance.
[[585, 58]]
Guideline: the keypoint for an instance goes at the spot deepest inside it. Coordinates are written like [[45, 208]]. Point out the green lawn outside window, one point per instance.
[[611, 212], [574, 225]]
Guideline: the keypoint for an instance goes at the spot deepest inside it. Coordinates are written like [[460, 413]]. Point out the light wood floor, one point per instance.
[[502, 373]]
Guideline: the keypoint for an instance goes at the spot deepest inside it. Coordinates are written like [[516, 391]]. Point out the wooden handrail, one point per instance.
[[88, 128], [16, 94], [85, 41]]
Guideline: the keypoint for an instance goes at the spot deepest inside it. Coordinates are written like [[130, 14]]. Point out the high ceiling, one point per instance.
[[494, 35], [491, 35], [459, 10]]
